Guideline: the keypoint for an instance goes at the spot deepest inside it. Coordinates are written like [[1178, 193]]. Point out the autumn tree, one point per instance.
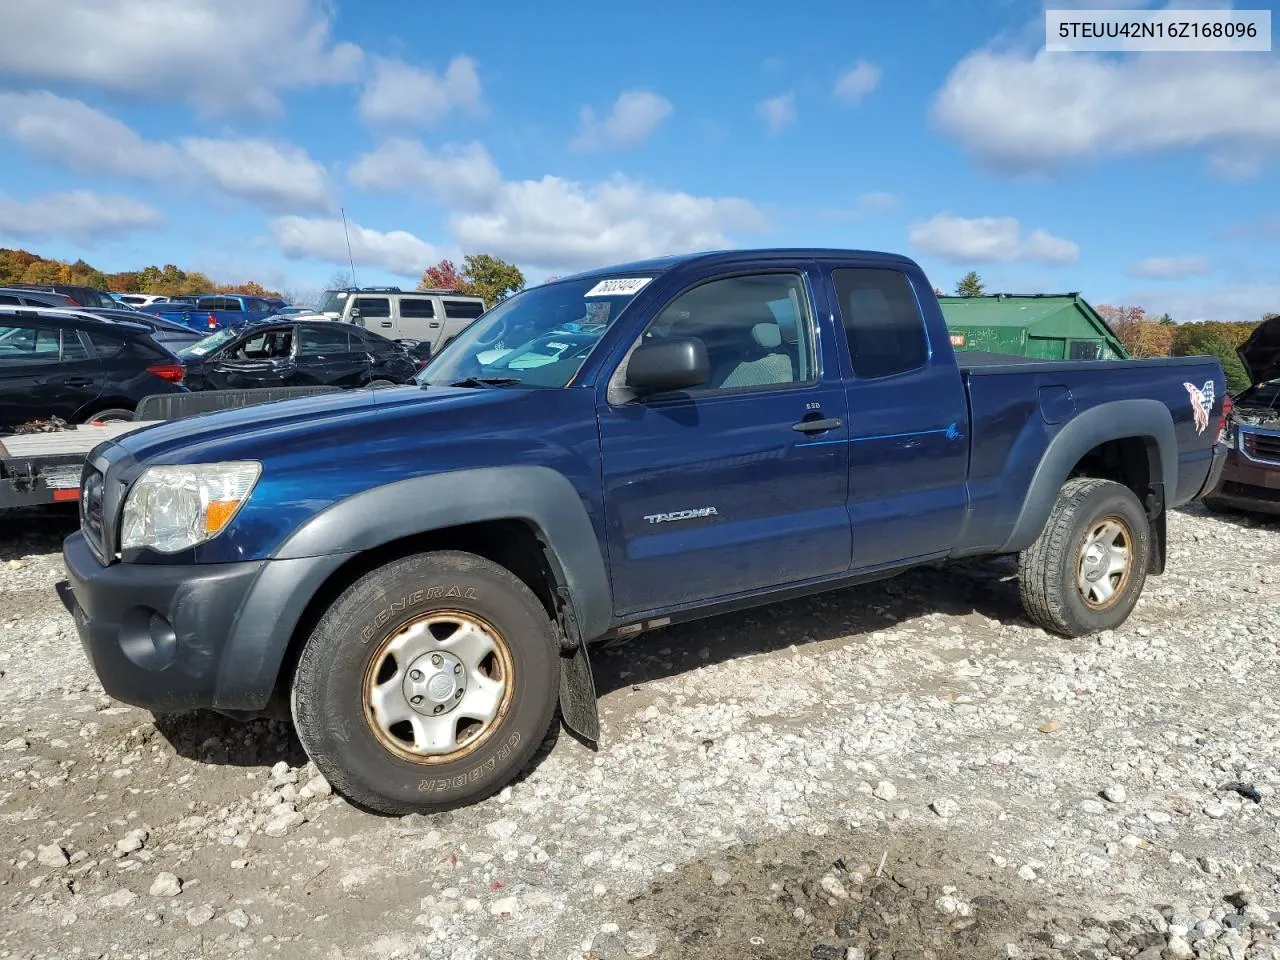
[[443, 276], [970, 285], [491, 279], [42, 272], [482, 275]]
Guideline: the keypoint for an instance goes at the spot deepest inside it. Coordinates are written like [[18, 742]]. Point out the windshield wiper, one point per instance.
[[486, 382]]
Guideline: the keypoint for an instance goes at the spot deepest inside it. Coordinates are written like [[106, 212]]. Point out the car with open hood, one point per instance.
[[1251, 475]]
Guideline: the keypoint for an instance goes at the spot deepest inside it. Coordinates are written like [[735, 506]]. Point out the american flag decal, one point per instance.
[[1201, 403]]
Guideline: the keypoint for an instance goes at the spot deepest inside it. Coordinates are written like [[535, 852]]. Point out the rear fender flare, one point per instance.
[[1148, 419], [540, 496]]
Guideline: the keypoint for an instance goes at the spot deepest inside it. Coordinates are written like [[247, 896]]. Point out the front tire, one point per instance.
[[1086, 570], [428, 684]]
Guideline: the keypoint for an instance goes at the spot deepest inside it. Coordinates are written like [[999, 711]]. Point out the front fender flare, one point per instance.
[[1147, 419], [538, 495]]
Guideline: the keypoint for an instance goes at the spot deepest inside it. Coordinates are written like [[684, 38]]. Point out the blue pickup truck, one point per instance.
[[416, 573], [213, 312]]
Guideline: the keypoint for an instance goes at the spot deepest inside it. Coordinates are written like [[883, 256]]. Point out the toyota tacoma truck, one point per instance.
[[415, 574]]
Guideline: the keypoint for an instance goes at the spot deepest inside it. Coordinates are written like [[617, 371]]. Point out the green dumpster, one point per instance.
[[1060, 326]]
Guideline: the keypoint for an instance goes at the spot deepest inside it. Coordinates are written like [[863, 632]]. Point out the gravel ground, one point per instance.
[[900, 771]]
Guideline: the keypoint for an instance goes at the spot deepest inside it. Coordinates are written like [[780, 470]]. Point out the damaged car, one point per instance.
[[1251, 476]]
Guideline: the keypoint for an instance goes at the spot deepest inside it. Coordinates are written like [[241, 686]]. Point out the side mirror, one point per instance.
[[666, 365]]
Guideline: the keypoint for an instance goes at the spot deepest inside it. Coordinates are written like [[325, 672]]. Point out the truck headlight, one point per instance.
[[173, 508]]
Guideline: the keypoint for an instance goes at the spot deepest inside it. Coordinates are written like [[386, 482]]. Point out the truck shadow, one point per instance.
[[984, 587], [987, 587]]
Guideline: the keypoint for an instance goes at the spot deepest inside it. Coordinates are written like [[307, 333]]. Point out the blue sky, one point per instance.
[[224, 135]]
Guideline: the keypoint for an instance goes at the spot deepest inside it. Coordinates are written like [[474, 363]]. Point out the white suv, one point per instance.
[[427, 316]]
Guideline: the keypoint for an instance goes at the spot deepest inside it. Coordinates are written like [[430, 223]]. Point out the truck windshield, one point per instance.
[[538, 338]]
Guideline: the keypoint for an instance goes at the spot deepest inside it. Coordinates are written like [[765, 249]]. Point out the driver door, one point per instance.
[[738, 485]]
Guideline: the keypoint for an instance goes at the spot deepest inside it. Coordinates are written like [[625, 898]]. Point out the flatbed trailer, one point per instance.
[[42, 468], [37, 469]]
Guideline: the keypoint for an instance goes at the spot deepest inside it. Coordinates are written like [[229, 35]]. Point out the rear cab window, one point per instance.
[[883, 325]]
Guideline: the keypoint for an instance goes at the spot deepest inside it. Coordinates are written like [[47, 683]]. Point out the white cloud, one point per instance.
[[274, 176], [778, 112], [989, 240], [73, 134], [1035, 114], [219, 55], [317, 238], [636, 114], [558, 223], [458, 175], [553, 222], [1238, 304], [78, 215], [1170, 268], [856, 82], [398, 92], [279, 177]]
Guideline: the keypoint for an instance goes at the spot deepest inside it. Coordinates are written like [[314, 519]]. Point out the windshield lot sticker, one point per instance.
[[620, 287], [1201, 403]]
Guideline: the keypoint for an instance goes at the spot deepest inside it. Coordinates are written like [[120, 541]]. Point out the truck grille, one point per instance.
[[1261, 446], [92, 510]]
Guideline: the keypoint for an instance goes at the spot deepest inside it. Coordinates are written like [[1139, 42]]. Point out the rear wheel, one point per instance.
[[428, 684], [1087, 568]]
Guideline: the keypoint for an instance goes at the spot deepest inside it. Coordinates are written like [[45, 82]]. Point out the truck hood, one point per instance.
[[261, 431], [1260, 354]]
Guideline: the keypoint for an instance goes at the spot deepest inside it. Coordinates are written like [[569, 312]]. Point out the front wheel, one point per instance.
[[428, 684], [1086, 570]]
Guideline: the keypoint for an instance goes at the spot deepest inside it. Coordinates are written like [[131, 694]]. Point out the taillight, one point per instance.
[[213, 322], [1224, 419], [173, 372]]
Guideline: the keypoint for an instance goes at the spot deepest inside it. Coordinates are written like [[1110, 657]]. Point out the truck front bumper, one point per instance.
[[183, 637]]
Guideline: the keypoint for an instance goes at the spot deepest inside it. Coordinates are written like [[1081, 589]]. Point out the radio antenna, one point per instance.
[[350, 260]]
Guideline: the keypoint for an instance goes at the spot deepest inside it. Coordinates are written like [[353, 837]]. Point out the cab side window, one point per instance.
[[757, 329], [882, 322], [28, 345]]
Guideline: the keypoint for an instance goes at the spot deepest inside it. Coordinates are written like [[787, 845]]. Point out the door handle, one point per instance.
[[386, 323], [434, 323], [78, 381], [816, 426]]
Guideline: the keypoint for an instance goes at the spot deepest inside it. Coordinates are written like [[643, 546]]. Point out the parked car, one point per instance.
[[418, 572], [14, 297], [425, 316], [295, 354], [140, 299], [1251, 478], [83, 296], [212, 312], [174, 336], [57, 363]]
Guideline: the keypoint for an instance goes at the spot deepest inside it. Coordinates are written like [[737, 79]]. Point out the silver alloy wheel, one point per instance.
[[1105, 559], [437, 688]]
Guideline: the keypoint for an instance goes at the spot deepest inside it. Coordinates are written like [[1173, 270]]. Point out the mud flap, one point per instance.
[[1156, 515], [578, 696]]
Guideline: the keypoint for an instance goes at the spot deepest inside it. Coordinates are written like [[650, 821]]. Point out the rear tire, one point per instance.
[[113, 415], [1086, 570], [390, 683]]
